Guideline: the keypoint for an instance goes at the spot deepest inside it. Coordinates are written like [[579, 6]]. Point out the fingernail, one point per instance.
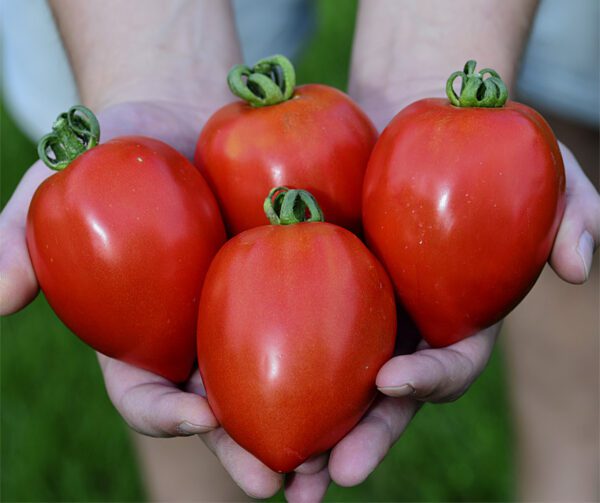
[[187, 428], [398, 391], [585, 249]]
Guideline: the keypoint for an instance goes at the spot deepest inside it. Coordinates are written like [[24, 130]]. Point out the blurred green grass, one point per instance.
[[63, 441]]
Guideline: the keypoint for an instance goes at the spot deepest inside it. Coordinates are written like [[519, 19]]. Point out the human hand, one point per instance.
[[406, 382], [149, 403], [435, 375], [439, 375], [385, 77], [180, 51]]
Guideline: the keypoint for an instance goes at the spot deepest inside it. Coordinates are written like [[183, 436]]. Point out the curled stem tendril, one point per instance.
[[73, 132], [270, 81], [475, 89], [285, 206]]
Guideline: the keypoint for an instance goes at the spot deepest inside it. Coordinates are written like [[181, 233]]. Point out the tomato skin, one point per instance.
[[319, 140], [462, 205], [120, 242], [294, 323]]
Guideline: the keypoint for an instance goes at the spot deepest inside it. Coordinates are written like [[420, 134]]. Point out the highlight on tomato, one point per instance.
[[462, 202], [295, 320], [120, 239], [311, 136]]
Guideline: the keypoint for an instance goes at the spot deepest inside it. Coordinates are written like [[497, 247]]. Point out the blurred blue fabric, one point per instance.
[[560, 71]]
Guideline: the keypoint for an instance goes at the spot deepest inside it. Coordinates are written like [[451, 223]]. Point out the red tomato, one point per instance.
[[462, 206], [318, 140], [294, 323], [120, 242]]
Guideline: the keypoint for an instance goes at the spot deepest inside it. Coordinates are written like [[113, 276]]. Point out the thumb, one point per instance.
[[441, 374], [579, 232], [18, 285]]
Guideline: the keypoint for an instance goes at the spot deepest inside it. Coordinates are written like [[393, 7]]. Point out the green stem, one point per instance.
[[268, 82], [285, 206], [72, 134], [475, 89]]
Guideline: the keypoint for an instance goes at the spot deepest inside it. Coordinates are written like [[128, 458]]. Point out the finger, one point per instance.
[[253, 477], [153, 405], [309, 488], [438, 375], [195, 384], [359, 452], [313, 465], [18, 285], [579, 232]]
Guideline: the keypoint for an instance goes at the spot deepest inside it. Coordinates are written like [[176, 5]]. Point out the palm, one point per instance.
[[174, 123]]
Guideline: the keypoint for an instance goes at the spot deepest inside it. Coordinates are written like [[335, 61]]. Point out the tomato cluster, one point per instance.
[[460, 200]]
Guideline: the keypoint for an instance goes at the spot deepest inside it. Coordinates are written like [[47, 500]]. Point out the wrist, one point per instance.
[[173, 123], [382, 102], [165, 83], [178, 51]]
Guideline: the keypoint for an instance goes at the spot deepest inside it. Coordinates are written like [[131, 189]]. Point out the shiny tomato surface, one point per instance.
[[462, 206], [120, 242], [295, 321], [319, 140]]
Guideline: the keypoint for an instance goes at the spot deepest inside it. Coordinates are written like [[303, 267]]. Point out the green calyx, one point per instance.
[[73, 133], [268, 82], [475, 89], [285, 206]]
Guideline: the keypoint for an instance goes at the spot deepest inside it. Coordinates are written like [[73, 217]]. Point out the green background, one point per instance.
[[63, 441]]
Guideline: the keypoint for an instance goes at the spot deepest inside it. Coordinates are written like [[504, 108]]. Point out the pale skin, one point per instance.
[[161, 73]]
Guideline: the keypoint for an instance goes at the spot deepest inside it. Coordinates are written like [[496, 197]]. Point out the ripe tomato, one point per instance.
[[462, 204], [294, 323], [120, 242], [314, 137]]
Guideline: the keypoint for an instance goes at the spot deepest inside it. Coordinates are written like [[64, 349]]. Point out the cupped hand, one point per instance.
[[406, 381], [149, 403], [308, 482], [153, 406], [441, 375]]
